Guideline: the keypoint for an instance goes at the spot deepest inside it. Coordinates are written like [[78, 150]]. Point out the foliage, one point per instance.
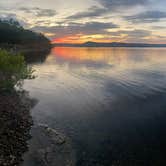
[[13, 70], [11, 32]]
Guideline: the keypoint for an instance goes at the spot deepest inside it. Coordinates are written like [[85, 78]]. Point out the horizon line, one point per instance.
[[108, 43]]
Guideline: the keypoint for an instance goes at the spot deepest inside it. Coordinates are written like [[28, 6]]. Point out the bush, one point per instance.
[[13, 71]]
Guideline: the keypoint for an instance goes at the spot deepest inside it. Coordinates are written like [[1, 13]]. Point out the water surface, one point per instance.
[[111, 102]]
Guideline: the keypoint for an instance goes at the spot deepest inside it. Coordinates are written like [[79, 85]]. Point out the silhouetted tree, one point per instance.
[[11, 32]]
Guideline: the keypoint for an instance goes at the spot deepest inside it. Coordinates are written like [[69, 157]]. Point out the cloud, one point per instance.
[[107, 7], [157, 27], [8, 16], [72, 28], [93, 11], [39, 12], [119, 4], [97, 31], [147, 17], [100, 25], [136, 33]]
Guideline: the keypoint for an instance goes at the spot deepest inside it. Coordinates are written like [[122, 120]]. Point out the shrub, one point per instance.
[[13, 70]]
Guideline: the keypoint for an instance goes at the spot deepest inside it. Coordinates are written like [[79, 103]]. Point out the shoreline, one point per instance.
[[23, 143], [16, 122]]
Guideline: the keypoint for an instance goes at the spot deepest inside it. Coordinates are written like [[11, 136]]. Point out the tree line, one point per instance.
[[11, 32]]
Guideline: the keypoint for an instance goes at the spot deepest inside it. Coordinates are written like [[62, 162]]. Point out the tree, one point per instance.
[[11, 32]]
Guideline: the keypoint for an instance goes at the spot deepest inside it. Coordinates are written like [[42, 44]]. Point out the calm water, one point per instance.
[[111, 102]]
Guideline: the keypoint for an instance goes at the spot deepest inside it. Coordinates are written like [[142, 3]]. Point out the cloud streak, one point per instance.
[[147, 17], [93, 11], [39, 12], [122, 4], [88, 28]]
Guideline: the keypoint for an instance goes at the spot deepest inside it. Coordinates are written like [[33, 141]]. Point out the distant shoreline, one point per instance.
[[114, 44]]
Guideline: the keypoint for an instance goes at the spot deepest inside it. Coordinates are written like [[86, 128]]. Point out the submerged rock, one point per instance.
[[49, 148]]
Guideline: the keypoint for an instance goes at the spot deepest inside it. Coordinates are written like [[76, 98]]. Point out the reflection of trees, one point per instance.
[[37, 56], [16, 122]]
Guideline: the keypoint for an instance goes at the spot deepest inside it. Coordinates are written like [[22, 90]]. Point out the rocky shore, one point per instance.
[[16, 122], [46, 146]]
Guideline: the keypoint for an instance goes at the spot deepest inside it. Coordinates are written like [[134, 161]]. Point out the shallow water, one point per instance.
[[111, 102]]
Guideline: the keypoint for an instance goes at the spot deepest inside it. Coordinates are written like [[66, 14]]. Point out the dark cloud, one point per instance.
[[39, 12], [136, 34], [119, 4], [108, 6], [88, 28], [92, 28], [100, 25], [94, 11], [147, 17]]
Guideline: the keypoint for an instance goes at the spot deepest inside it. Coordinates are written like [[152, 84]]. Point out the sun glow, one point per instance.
[[84, 38]]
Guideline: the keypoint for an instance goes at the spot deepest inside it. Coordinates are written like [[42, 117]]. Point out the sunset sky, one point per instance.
[[74, 21]]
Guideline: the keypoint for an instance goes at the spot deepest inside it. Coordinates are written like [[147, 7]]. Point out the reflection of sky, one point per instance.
[[101, 107], [121, 57], [86, 76], [123, 68], [81, 57]]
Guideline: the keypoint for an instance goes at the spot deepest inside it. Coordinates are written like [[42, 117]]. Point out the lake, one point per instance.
[[111, 103]]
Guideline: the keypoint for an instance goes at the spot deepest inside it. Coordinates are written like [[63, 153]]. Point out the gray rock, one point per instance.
[[49, 148]]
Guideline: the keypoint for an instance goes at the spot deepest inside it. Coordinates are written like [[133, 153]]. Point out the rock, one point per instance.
[[49, 148], [15, 123], [57, 138]]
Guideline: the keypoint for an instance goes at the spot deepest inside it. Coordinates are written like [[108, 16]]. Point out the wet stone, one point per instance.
[[49, 148], [15, 126]]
